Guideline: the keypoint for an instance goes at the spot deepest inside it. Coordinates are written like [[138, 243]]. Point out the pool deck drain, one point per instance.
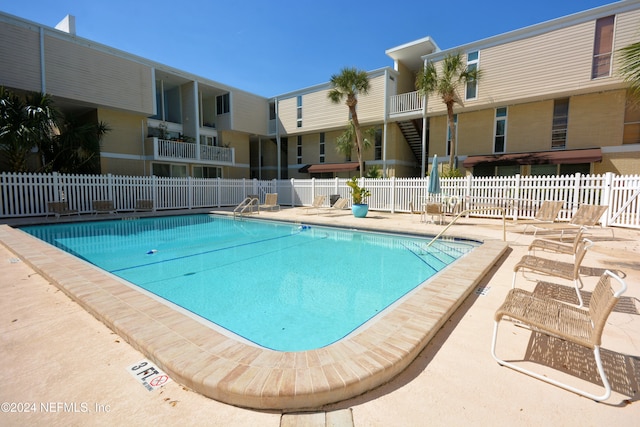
[[224, 369]]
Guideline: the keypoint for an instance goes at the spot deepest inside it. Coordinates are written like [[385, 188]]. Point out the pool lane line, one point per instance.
[[297, 232]]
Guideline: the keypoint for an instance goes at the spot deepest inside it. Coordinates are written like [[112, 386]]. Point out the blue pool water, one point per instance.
[[282, 286]]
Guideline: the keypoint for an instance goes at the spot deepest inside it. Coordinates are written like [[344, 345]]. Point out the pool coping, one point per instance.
[[227, 370]]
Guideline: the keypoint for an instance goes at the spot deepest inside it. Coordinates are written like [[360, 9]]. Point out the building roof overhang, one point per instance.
[[537, 158]]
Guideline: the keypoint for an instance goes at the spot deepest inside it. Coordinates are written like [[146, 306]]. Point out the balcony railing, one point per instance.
[[188, 151], [405, 103]]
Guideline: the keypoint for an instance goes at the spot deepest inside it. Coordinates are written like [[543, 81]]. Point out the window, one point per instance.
[[209, 140], [168, 170], [299, 112], [455, 128], [272, 110], [560, 122], [223, 105], [602, 47], [322, 147], [631, 133], [378, 145], [207, 172], [472, 85], [299, 155], [500, 135]]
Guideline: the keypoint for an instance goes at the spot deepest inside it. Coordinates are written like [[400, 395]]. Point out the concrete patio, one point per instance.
[[55, 352]]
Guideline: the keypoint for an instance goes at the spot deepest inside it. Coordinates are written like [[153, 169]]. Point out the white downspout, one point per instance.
[[384, 124]]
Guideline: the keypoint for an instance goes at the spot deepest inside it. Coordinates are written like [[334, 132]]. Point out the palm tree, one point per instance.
[[630, 67], [77, 148], [349, 84], [25, 124], [453, 73]]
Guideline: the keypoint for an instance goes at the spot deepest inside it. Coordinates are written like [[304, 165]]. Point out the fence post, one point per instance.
[[607, 197], [313, 188], [190, 192], [393, 194], [293, 193], [576, 193], [516, 196], [219, 190]]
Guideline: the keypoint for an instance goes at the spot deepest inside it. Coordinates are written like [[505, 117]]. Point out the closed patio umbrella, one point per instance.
[[434, 178]]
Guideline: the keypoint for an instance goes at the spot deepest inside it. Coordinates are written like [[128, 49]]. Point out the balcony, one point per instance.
[[189, 152], [407, 105]]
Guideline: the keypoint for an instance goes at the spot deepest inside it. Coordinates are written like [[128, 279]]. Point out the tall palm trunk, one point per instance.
[[452, 131], [356, 125]]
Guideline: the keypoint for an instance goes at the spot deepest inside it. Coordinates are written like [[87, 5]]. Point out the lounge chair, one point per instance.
[[546, 214], [557, 247], [579, 326], [339, 205], [563, 270], [270, 202], [144, 205], [587, 216], [103, 206], [316, 205], [60, 208]]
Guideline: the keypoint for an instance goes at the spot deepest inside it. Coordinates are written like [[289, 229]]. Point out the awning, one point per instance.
[[564, 157], [331, 167]]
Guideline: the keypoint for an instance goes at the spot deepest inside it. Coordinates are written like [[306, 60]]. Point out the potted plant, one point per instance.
[[359, 195]]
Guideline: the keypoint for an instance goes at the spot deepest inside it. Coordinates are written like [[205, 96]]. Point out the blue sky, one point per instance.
[[273, 47]]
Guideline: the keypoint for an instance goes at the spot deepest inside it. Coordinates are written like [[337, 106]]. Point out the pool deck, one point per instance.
[[424, 360]]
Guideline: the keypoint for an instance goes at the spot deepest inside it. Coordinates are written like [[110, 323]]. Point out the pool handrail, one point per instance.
[[468, 211]]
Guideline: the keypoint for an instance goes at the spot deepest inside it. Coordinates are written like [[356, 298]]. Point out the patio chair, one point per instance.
[[557, 247], [316, 204], [60, 208], [144, 205], [103, 206], [270, 202], [563, 270], [582, 327], [434, 209], [547, 213], [587, 216]]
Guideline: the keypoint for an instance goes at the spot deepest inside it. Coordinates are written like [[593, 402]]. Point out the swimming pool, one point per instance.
[[281, 286]]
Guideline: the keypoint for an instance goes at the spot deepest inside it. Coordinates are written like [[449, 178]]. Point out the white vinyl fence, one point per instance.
[[25, 195]]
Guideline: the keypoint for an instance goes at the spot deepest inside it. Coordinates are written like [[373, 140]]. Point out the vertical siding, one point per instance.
[[20, 57], [84, 74]]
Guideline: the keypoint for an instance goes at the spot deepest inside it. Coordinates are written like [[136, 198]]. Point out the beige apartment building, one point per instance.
[[550, 101]]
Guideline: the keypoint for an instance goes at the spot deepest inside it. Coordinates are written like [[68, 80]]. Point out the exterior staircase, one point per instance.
[[412, 132]]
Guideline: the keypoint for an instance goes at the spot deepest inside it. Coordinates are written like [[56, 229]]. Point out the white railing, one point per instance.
[[405, 103], [176, 150], [25, 195], [216, 154], [164, 149]]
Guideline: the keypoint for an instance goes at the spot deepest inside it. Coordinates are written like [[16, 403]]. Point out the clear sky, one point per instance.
[[277, 46]]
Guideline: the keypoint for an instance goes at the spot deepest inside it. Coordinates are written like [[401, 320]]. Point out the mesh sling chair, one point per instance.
[[579, 326]]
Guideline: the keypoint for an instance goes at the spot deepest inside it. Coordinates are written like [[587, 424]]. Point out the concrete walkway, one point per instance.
[[60, 366]]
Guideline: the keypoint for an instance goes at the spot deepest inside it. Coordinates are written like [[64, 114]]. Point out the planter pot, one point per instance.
[[360, 211]]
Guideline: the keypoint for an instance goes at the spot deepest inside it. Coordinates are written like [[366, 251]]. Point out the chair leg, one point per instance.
[[596, 353], [577, 283]]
